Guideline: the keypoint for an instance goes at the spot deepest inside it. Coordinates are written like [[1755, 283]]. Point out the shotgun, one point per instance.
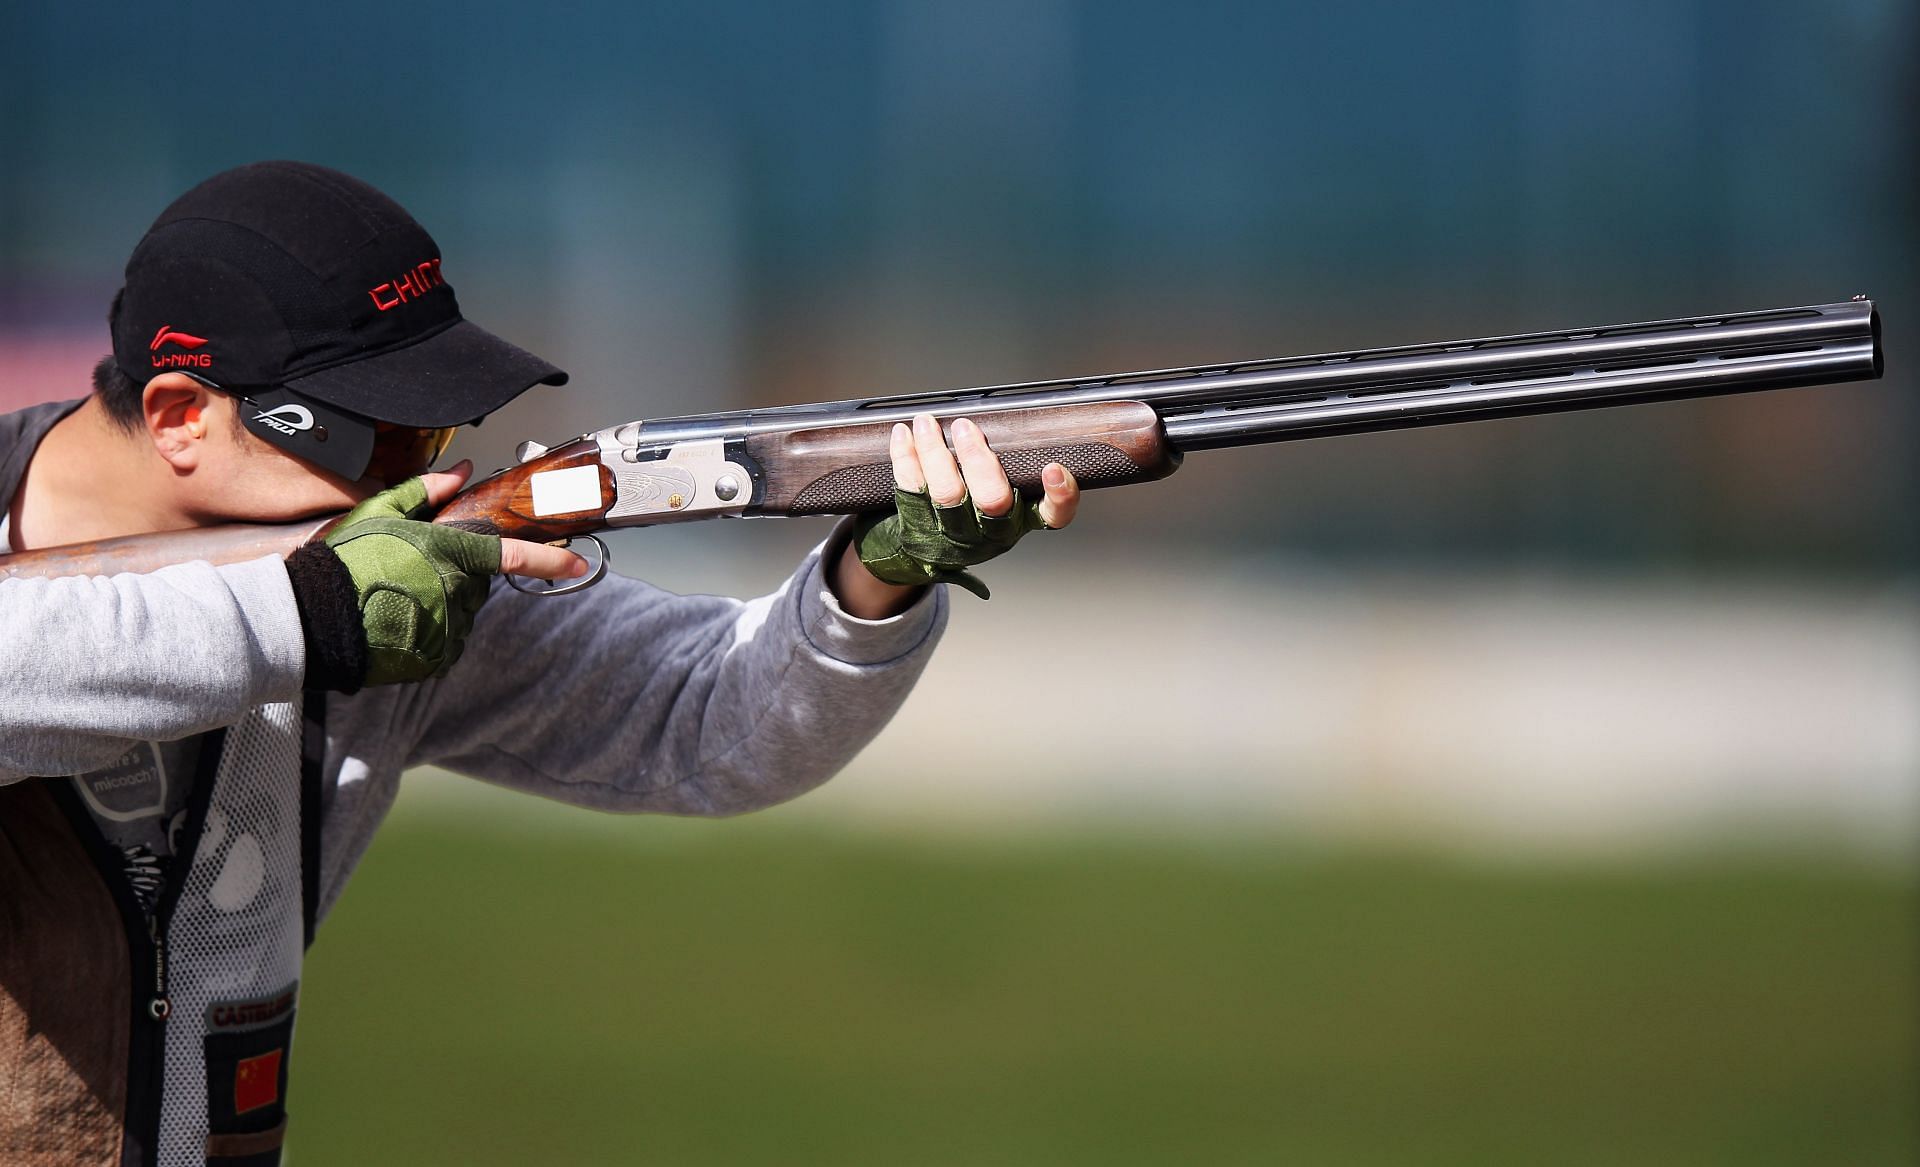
[[831, 457]]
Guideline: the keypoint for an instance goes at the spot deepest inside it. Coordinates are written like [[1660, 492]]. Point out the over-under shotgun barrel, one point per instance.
[[1210, 406], [1545, 373]]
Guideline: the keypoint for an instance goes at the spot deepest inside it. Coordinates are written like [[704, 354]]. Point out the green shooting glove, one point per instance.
[[921, 543], [418, 585]]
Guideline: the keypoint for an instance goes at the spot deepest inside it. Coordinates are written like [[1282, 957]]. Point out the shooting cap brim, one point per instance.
[[452, 377]]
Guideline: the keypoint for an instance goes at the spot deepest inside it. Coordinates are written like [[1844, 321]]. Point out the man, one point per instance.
[[192, 761]]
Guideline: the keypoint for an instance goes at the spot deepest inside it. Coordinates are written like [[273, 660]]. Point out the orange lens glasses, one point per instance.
[[400, 452]]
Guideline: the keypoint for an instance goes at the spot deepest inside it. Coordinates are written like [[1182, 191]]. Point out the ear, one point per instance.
[[175, 408]]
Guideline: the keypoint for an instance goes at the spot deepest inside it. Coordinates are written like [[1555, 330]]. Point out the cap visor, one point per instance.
[[450, 378]]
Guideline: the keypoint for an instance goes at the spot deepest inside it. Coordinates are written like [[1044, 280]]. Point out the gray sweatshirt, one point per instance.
[[156, 1029], [623, 697]]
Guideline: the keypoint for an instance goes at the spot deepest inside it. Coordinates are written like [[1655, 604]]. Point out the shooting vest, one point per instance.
[[156, 1039]]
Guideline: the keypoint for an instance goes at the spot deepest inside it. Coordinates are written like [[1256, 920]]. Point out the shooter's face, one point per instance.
[[222, 474], [225, 473], [248, 480]]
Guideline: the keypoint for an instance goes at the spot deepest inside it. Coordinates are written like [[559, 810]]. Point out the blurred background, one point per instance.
[[1532, 790]]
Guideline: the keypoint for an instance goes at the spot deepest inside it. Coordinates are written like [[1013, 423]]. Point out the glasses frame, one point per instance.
[[435, 439]]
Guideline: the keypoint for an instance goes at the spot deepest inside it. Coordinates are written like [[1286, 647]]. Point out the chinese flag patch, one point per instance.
[[256, 1082]]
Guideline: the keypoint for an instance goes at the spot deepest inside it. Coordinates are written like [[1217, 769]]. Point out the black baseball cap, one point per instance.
[[311, 293]]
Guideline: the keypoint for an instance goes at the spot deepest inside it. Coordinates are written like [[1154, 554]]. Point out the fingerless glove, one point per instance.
[[921, 543], [387, 598]]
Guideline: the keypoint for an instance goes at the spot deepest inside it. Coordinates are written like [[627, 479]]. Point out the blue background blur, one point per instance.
[[696, 206]]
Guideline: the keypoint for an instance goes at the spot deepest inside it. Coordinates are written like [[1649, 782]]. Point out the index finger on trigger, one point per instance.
[[539, 561]]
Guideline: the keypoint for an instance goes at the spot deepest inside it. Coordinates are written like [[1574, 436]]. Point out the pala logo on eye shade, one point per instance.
[[288, 419], [167, 336]]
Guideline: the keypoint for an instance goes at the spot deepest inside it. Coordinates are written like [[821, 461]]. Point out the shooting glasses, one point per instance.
[[348, 444]]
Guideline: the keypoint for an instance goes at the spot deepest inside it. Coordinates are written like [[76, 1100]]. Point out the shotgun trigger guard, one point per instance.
[[597, 572]]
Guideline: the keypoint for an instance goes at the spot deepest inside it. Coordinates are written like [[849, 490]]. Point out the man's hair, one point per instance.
[[121, 396]]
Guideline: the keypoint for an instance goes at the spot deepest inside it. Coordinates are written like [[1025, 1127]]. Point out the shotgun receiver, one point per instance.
[[831, 458]]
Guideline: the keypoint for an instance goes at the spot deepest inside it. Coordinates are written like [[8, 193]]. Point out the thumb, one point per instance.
[[1062, 498], [444, 484]]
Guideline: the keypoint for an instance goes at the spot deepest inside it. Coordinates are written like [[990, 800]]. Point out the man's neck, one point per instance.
[[91, 479]]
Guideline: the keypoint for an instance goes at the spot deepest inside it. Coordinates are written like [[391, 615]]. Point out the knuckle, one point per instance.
[[982, 466], [995, 502]]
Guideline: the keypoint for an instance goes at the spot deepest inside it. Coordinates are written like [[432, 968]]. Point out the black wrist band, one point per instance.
[[329, 619]]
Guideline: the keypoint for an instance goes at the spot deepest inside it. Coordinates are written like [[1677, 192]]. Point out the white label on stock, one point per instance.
[[563, 492]]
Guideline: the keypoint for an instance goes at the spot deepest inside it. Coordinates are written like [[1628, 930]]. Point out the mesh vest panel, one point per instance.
[[236, 932]]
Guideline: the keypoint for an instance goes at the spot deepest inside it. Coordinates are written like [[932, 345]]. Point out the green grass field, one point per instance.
[[756, 992]]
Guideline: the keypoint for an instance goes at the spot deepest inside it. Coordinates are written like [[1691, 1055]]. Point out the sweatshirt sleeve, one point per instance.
[[628, 698], [91, 664]]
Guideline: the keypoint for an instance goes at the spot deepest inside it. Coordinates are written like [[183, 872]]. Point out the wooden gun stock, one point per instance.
[[230, 543], [503, 504]]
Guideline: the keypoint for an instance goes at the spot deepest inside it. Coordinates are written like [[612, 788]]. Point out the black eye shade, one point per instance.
[[338, 441]]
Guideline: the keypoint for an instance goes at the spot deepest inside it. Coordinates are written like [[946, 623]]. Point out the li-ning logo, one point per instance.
[[167, 335], [422, 279], [288, 419]]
